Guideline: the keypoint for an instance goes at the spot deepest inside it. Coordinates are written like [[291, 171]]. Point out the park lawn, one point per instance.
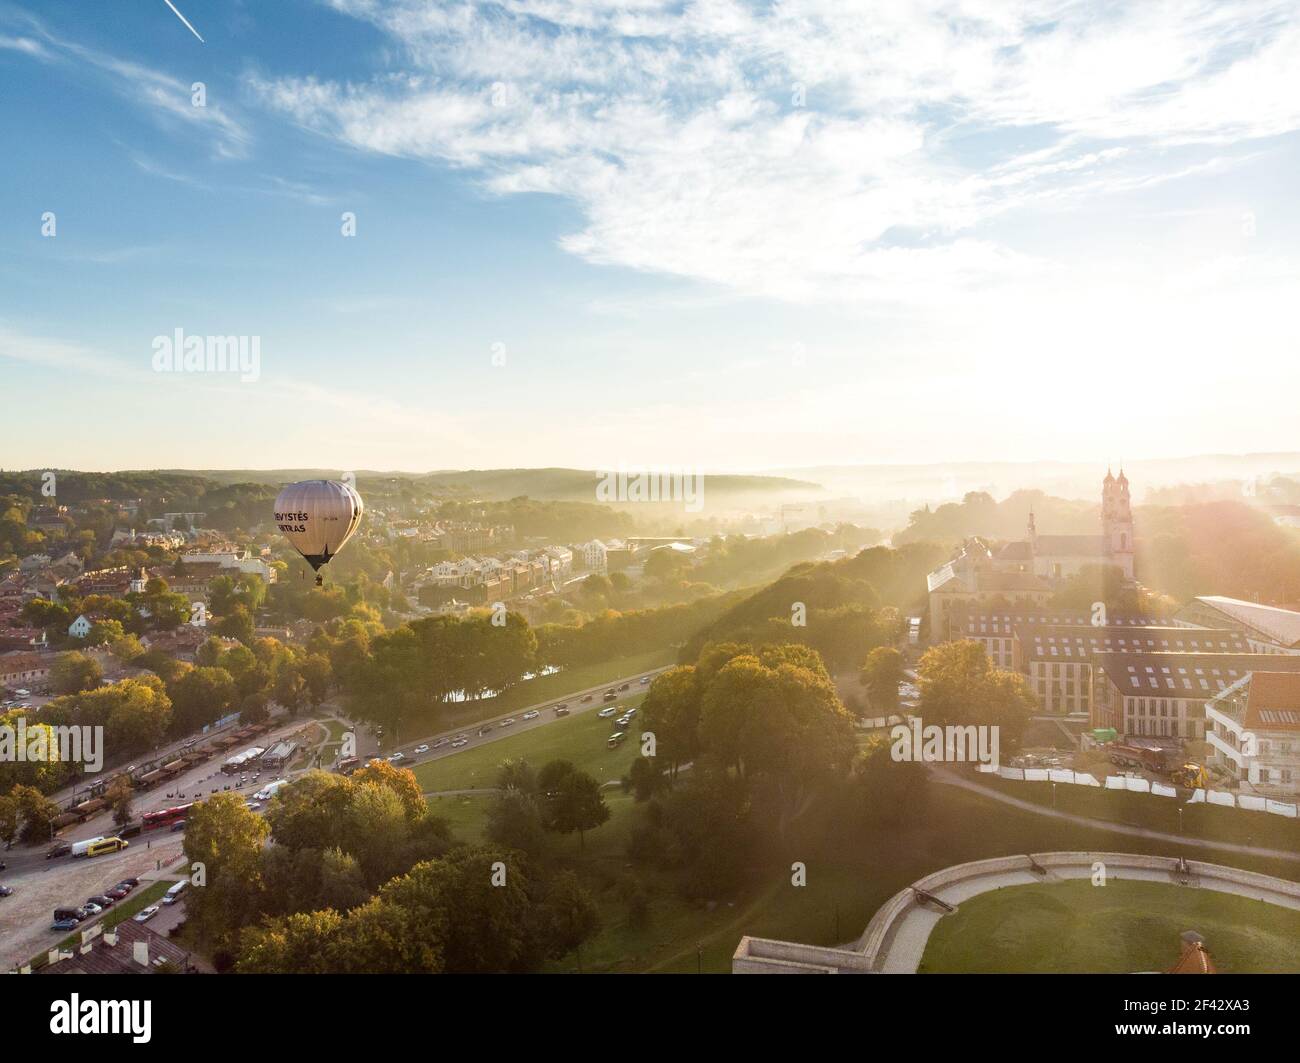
[[1210, 822], [852, 877], [579, 739], [849, 876], [1075, 927], [557, 686]]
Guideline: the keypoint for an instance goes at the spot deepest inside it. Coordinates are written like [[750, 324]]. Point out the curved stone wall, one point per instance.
[[895, 939]]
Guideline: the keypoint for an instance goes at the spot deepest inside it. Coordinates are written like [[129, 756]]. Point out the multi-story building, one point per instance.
[[594, 556], [996, 628], [1253, 731], [1058, 660], [1165, 694], [1269, 629]]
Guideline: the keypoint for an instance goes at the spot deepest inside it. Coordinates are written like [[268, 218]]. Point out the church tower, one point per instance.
[[1117, 522]]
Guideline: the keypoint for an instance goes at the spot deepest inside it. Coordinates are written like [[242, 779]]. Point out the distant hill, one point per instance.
[[556, 484]]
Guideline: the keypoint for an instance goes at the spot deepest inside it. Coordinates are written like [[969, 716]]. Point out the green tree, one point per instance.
[[71, 673], [572, 800], [881, 674]]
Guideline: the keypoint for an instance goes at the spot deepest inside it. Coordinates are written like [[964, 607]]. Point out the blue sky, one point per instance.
[[717, 234]]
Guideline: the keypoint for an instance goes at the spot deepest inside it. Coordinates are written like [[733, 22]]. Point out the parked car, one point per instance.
[[629, 713], [616, 739], [623, 721], [144, 915], [421, 749], [92, 908], [531, 714], [6, 891], [132, 882], [102, 901], [63, 925], [117, 893], [605, 714]]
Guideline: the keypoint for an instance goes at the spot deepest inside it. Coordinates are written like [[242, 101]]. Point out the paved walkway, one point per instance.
[[949, 778]]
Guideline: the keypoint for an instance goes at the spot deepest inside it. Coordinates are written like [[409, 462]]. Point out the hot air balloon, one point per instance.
[[318, 517]]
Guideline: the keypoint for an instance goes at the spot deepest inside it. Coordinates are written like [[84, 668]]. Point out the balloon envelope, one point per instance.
[[318, 517]]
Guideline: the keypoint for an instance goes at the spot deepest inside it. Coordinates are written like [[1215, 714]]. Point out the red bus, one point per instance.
[[167, 816]]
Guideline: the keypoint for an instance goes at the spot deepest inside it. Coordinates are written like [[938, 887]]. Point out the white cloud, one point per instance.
[[167, 98], [675, 127]]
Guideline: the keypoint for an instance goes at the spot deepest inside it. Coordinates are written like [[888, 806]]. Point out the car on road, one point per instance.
[[531, 714], [506, 723], [145, 914], [6, 891], [586, 697], [561, 705], [394, 758], [421, 749], [58, 849], [561, 710], [178, 827], [63, 925], [609, 696], [645, 680], [253, 806], [605, 714], [440, 743], [484, 729], [460, 742], [462, 735], [625, 686]]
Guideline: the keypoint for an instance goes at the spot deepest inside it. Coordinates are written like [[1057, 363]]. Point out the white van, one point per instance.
[[268, 791], [174, 894]]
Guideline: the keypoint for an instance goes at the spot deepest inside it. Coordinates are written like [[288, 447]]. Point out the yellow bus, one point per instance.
[[106, 845]]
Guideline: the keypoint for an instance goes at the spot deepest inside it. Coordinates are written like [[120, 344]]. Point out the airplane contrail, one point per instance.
[[184, 19]]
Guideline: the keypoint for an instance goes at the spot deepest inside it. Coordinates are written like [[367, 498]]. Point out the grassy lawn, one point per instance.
[[559, 686], [851, 870], [849, 877], [1206, 821], [580, 739], [1075, 927]]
